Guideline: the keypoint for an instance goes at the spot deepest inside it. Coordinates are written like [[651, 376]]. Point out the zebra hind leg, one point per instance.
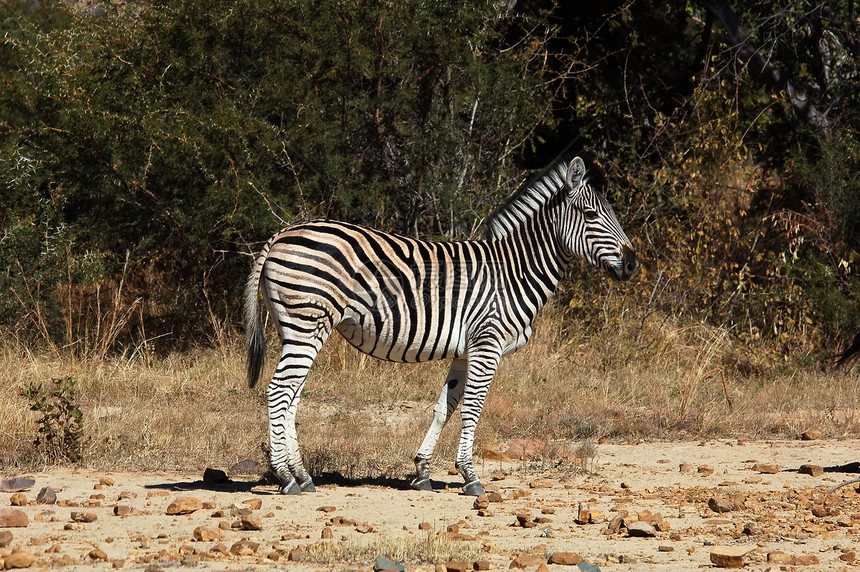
[[284, 394], [450, 397]]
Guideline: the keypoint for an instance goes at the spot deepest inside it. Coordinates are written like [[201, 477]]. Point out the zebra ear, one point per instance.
[[575, 173]]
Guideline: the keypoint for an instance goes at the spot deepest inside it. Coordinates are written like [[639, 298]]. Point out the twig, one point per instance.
[[725, 386]]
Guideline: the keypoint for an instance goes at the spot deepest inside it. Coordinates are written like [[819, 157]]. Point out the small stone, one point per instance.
[[365, 528], [383, 563], [457, 566], [541, 484], [642, 529], [810, 435], [326, 533], [665, 548], [246, 467], [46, 496], [125, 510], [706, 470], [805, 560], [16, 485], [215, 476], [18, 499], [254, 504], [482, 565], [297, 554], [13, 518], [453, 471], [527, 561], [5, 538], [589, 516], [778, 557], [97, 554], [811, 470], [184, 505], [424, 526], [244, 548], [327, 508], [752, 529], [107, 481], [849, 556], [84, 516], [819, 511], [729, 556], [481, 502], [720, 505], [493, 496], [206, 533], [766, 468], [685, 468], [565, 558], [19, 559]]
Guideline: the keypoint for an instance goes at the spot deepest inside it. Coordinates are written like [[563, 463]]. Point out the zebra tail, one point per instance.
[[850, 354], [253, 323]]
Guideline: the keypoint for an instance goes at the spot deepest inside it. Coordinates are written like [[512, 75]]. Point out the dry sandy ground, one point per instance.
[[794, 520]]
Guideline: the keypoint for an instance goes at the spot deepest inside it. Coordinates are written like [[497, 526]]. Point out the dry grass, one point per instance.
[[363, 418], [432, 548]]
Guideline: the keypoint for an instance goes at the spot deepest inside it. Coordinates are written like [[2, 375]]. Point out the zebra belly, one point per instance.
[[391, 344]]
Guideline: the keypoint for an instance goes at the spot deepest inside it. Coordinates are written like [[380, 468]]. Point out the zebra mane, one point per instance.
[[537, 193]]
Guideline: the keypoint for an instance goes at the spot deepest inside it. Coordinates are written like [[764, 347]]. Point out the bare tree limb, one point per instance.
[[762, 68]]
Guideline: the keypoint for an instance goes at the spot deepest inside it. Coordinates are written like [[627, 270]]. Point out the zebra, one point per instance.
[[406, 300]]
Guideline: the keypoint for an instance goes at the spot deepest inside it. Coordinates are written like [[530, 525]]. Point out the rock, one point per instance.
[[565, 558], [215, 476], [482, 565], [254, 504], [383, 563], [685, 468], [642, 529], [805, 560], [589, 516], [297, 554], [125, 510], [541, 484], [184, 505], [527, 561], [481, 502], [18, 499], [206, 534], [849, 556], [819, 511], [424, 526], [706, 470], [729, 556], [246, 548], [46, 496], [16, 485], [665, 548], [251, 522], [811, 470], [84, 517], [107, 481], [365, 528], [327, 508], [19, 559], [526, 448], [13, 518], [457, 566], [810, 435], [752, 529], [778, 557], [97, 554], [720, 505], [586, 566], [246, 467], [326, 533], [766, 468]]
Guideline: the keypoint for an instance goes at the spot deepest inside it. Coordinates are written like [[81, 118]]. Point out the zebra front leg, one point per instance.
[[483, 362], [450, 397]]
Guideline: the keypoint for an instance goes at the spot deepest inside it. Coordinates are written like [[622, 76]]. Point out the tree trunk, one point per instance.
[[762, 68]]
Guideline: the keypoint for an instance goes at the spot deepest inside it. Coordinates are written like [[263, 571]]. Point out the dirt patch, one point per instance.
[[702, 498]]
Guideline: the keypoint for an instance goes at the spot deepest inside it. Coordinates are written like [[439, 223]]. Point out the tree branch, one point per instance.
[[762, 68]]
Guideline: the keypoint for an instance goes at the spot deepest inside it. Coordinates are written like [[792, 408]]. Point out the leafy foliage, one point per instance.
[[147, 148], [61, 425]]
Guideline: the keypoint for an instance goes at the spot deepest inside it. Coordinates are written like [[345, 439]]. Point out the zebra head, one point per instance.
[[591, 229]]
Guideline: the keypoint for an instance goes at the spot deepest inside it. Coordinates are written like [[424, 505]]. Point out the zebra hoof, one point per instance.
[[308, 487], [473, 489], [292, 489], [421, 485]]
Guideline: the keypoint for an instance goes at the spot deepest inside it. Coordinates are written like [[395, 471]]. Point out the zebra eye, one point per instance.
[[591, 215]]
